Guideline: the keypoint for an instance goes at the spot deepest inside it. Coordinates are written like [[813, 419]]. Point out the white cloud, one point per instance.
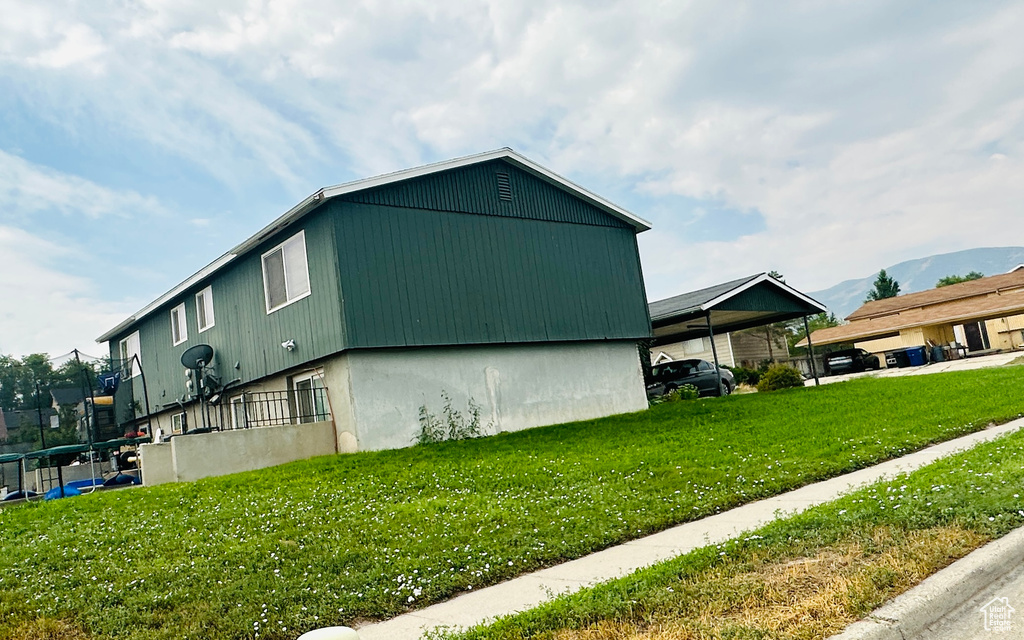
[[45, 309], [860, 134], [77, 45], [27, 188]]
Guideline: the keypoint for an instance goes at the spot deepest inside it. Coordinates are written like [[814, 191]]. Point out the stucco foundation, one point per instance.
[[516, 386]]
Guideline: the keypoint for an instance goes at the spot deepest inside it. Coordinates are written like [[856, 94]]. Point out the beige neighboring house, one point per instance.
[[747, 348], [976, 317]]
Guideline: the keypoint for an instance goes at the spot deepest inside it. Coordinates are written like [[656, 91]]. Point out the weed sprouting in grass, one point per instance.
[[453, 426]]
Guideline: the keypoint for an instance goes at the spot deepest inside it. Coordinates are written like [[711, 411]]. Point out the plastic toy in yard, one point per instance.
[[61, 492]]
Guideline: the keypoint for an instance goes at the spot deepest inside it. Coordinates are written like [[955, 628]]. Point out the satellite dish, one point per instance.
[[197, 357]]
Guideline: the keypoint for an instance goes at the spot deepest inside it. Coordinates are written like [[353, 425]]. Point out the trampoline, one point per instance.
[[61, 456], [19, 458]]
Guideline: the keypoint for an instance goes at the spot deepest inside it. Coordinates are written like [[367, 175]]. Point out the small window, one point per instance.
[[204, 309], [285, 273], [310, 399], [178, 423], [179, 332], [128, 350], [238, 416]]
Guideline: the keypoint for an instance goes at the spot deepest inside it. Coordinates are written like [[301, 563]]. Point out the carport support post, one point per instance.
[[714, 352], [810, 352]]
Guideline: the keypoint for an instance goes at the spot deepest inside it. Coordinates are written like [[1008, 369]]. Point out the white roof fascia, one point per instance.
[[504, 153], [764, 277], [327, 193], [167, 297]]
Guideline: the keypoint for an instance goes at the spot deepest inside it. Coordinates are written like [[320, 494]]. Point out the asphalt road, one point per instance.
[[986, 615]]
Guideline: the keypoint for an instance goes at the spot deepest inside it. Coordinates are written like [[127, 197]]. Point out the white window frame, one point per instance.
[[315, 380], [129, 347], [295, 243], [182, 336], [178, 423], [238, 417], [204, 309]]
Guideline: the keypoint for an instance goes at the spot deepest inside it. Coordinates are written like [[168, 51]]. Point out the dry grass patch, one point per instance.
[[46, 629], [803, 597]]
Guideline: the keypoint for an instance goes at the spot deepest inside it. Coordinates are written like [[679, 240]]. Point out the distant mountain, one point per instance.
[[920, 275]]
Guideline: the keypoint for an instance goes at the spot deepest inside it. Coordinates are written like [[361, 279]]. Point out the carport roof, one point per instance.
[[739, 304]]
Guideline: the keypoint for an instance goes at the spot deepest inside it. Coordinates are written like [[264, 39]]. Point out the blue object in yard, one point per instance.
[[121, 479], [20, 495], [85, 484], [915, 355], [54, 493]]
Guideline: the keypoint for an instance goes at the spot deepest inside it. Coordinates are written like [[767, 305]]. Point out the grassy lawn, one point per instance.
[[340, 539], [805, 577]]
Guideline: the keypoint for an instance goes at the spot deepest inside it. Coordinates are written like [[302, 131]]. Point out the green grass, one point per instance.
[[341, 539], [969, 498]]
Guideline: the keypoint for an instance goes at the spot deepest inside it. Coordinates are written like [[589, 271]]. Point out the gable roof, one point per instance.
[[738, 304], [68, 395], [942, 295], [316, 199], [983, 299]]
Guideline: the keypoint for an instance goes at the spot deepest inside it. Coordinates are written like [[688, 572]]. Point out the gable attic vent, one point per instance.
[[504, 187]]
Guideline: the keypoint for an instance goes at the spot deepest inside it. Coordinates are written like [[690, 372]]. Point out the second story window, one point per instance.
[[179, 332], [204, 309], [285, 273], [129, 351]]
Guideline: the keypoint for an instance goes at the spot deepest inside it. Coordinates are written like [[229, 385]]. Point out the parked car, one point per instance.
[[850, 361], [669, 376]]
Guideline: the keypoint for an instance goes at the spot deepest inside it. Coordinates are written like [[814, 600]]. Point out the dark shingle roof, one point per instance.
[[694, 300], [70, 395]]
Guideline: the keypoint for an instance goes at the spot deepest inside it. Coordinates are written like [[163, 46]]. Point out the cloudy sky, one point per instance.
[[139, 140]]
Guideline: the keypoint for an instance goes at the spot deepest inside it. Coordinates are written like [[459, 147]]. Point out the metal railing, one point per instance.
[[275, 408]]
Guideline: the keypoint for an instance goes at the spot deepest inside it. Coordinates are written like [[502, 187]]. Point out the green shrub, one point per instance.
[[780, 376], [745, 376], [685, 392]]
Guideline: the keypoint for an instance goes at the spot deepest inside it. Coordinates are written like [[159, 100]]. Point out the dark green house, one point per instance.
[[486, 278]]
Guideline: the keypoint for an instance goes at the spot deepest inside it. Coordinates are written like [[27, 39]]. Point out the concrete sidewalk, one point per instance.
[[530, 590]]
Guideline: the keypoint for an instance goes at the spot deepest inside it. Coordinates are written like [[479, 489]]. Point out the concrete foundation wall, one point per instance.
[[516, 386], [191, 457], [157, 463]]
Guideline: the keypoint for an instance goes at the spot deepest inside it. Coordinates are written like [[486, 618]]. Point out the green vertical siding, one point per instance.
[[243, 331], [417, 277], [474, 189], [764, 297]]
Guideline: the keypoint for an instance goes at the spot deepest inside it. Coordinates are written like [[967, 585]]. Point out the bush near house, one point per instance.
[[743, 375], [780, 376], [363, 536]]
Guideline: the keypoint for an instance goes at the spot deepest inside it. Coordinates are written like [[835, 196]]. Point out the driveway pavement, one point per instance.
[[964, 364]]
